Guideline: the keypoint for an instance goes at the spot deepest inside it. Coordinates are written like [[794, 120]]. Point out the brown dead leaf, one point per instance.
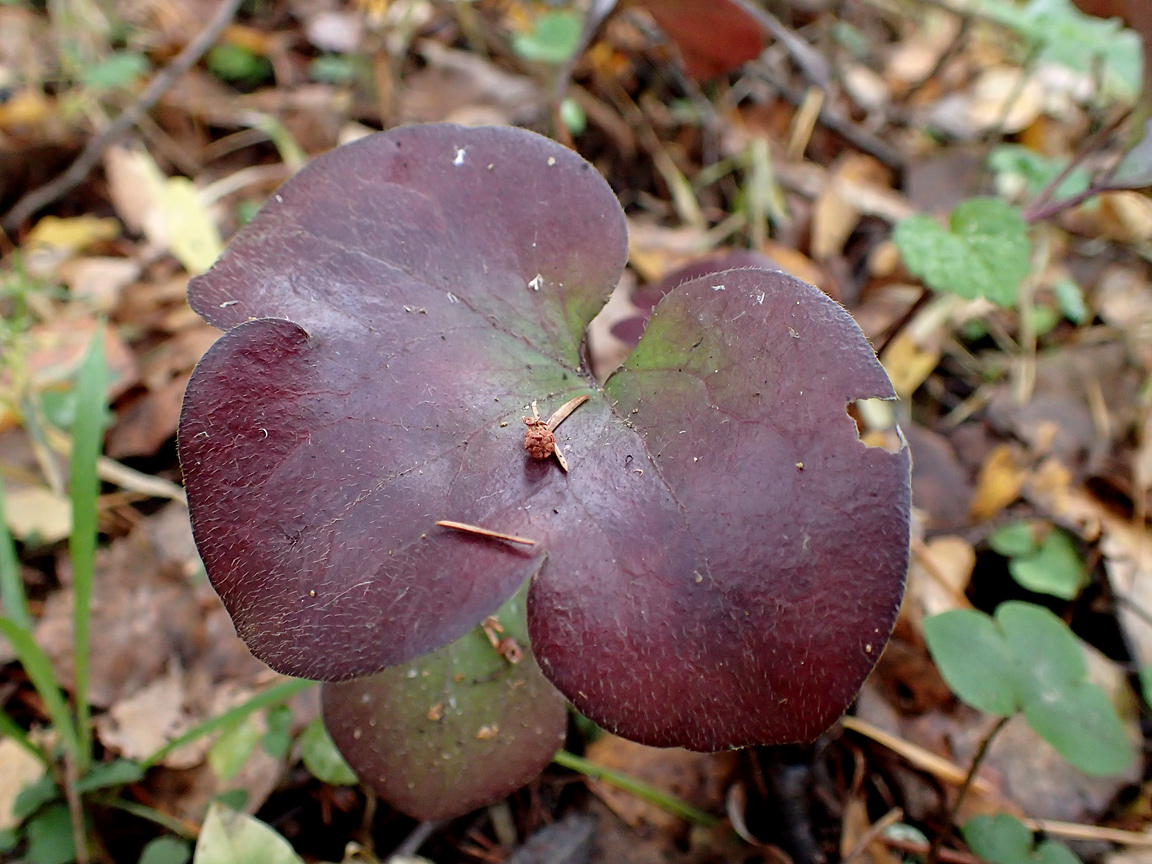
[[938, 576], [140, 725], [98, 281], [697, 778], [461, 87], [940, 485], [19, 768], [146, 423], [146, 611], [834, 218]]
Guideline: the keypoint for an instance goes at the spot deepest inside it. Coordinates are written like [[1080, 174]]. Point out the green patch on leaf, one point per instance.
[[1070, 300], [278, 738], [467, 724], [238, 65], [231, 750], [985, 252], [1026, 659], [113, 774]]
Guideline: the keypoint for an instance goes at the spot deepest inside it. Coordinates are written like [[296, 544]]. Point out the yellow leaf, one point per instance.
[[72, 235], [192, 235], [999, 484], [908, 364]]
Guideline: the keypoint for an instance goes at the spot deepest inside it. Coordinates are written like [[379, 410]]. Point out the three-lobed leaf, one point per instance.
[[985, 251], [721, 565]]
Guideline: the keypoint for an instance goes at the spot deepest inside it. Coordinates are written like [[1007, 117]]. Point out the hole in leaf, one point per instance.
[[876, 426]]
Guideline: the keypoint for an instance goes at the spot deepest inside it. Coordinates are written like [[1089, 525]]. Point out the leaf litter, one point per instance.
[[1069, 456]]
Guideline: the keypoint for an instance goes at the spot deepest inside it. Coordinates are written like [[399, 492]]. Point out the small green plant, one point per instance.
[[1041, 558], [1026, 660], [1002, 839], [984, 252]]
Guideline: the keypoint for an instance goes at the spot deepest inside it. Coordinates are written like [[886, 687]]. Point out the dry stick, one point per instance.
[[938, 842], [95, 148], [75, 809], [872, 834], [834, 120], [561, 413], [484, 532], [1085, 150], [810, 61], [898, 326]]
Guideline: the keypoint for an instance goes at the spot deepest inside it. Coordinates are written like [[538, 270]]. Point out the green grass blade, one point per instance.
[[176, 826], [638, 788], [11, 729], [87, 444], [12, 596], [38, 668], [272, 696]]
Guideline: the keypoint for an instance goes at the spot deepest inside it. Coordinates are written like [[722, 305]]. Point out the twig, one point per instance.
[[918, 757], [1054, 208], [810, 61], [1076, 831], [1085, 150], [872, 834], [414, 841], [834, 120], [898, 326], [934, 850], [484, 532], [75, 809], [78, 170], [561, 414]]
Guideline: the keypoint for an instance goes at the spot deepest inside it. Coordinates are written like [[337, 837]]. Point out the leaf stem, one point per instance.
[[84, 488], [179, 827], [938, 842], [637, 787]]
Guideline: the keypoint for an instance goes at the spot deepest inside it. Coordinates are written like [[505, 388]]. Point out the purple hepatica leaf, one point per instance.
[[629, 330], [724, 560]]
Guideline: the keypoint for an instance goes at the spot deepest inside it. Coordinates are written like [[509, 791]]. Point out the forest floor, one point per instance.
[[1027, 411]]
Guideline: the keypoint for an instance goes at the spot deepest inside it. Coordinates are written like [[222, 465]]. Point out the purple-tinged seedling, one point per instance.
[[392, 314]]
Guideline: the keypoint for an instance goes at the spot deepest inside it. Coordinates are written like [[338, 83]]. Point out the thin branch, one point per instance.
[[938, 842], [831, 117], [1085, 150], [86, 161], [900, 324], [873, 834]]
